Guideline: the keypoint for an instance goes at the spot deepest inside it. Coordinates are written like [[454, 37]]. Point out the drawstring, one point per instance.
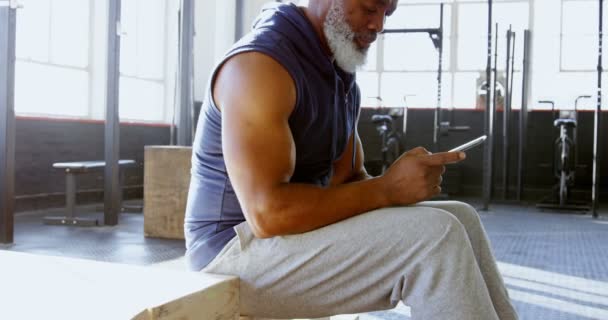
[[334, 128], [355, 115]]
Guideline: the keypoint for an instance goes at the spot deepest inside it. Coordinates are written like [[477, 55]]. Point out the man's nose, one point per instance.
[[377, 21]]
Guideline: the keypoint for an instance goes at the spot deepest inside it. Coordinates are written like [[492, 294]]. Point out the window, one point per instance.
[[368, 83], [61, 51], [579, 36], [420, 87], [406, 63], [52, 58], [142, 61], [473, 32], [413, 52], [416, 51]]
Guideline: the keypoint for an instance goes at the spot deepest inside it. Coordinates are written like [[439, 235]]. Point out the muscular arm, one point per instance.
[[343, 168], [256, 95]]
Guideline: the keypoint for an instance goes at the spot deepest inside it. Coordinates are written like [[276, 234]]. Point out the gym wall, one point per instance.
[[465, 179], [42, 142]]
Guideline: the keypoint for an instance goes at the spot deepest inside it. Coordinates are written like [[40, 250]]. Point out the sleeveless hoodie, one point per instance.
[[324, 117]]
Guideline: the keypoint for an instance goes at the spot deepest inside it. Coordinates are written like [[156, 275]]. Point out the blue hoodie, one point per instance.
[[324, 117]]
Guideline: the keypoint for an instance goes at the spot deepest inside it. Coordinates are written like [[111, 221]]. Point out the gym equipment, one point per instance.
[[440, 127], [506, 119], [405, 114], [523, 116], [597, 116], [575, 136], [488, 120], [72, 169], [112, 125], [564, 162], [389, 137], [103, 290], [8, 18]]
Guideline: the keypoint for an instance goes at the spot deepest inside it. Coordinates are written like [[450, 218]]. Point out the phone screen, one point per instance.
[[470, 144]]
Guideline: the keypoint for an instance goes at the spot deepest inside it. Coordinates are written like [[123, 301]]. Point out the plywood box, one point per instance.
[[44, 287], [166, 181]]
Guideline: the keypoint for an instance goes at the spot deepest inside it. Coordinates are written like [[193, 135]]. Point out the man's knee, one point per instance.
[[467, 215], [439, 224]]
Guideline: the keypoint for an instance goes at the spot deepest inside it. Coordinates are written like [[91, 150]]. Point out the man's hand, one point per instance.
[[416, 175]]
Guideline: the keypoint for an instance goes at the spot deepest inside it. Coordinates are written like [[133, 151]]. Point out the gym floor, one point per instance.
[[555, 264]]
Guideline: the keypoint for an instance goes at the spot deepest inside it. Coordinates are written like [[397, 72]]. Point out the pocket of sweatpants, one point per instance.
[[226, 259], [231, 259], [244, 234]]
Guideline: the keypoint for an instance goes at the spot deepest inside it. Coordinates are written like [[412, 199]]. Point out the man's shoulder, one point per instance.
[[255, 77]]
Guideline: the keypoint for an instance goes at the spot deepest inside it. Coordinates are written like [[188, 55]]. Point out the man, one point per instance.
[[279, 195]]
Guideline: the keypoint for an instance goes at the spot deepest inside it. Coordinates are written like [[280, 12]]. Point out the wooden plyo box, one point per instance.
[[166, 182], [44, 287]]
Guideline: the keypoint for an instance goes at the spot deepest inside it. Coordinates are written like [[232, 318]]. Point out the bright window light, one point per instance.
[[368, 83], [141, 99], [142, 82], [413, 52], [48, 90], [33, 30], [70, 33], [579, 35], [51, 72]]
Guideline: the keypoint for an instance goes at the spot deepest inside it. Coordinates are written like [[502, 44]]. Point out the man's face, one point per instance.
[[351, 26], [366, 18]]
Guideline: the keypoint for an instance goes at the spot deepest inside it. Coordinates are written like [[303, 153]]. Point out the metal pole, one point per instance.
[[513, 42], [523, 116], [438, 114], [112, 126], [7, 121], [597, 115], [505, 118], [495, 86], [186, 71], [488, 120], [508, 111], [413, 30], [239, 30]]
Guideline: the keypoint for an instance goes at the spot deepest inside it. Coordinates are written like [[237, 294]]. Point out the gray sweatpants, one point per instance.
[[434, 256]]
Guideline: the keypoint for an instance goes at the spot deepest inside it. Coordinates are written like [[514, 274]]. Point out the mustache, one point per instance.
[[367, 36]]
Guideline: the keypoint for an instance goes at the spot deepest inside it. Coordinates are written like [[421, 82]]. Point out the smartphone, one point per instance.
[[470, 144]]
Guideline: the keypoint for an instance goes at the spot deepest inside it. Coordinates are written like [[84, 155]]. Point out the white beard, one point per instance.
[[341, 39]]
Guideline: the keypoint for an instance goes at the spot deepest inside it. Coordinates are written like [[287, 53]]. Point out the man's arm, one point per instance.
[[344, 172], [256, 96], [359, 172]]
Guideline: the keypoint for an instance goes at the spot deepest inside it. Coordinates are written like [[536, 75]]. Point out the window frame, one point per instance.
[[451, 49], [562, 68]]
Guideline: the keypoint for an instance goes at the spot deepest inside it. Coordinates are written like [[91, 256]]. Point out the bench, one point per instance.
[[45, 287], [72, 169]]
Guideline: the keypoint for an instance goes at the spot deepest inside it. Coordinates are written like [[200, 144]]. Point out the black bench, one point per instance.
[[72, 169]]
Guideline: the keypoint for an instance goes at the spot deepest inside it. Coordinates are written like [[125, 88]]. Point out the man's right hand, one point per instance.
[[417, 175]]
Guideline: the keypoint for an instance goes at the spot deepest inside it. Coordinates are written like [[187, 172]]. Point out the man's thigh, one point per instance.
[[347, 267]]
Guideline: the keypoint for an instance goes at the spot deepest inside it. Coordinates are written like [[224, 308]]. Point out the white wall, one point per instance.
[[215, 28]]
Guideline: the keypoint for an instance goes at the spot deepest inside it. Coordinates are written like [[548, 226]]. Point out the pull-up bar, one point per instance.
[[436, 35]]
